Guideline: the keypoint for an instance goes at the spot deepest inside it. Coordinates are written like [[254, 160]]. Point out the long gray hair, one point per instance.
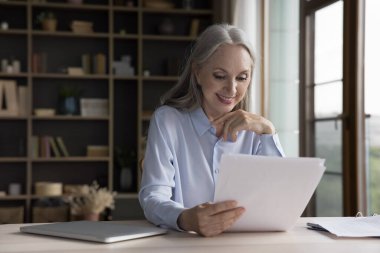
[[187, 94]]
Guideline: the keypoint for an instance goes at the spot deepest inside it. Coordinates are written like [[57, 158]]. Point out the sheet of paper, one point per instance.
[[351, 226], [273, 190]]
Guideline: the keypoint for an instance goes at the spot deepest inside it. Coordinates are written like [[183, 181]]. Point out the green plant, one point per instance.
[[44, 16], [124, 157], [69, 91]]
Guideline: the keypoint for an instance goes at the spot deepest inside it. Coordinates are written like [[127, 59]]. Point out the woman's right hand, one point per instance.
[[210, 219]]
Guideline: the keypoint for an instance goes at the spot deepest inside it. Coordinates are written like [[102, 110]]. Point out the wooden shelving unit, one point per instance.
[[118, 31]]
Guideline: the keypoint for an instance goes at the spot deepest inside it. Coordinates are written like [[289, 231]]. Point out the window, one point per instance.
[[372, 106], [331, 111]]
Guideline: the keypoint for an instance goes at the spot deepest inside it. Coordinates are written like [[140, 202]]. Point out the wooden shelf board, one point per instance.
[[72, 159], [160, 78], [69, 117], [125, 77], [13, 159], [117, 8], [167, 37], [15, 75], [13, 197], [70, 34], [13, 3], [124, 195], [178, 11], [66, 76], [125, 36], [73, 6], [13, 117], [14, 31]]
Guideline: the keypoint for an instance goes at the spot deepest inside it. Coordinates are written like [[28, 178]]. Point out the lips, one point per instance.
[[225, 100]]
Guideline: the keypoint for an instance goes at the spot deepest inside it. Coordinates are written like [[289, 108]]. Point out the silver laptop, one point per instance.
[[105, 232], [273, 190]]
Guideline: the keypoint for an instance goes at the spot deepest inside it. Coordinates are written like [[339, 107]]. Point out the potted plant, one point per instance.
[[89, 201], [47, 20], [68, 100], [125, 159]]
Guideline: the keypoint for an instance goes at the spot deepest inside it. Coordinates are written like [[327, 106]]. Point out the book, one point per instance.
[[100, 64], [44, 147], [9, 101], [62, 146], [86, 63], [194, 27], [54, 147], [22, 107], [34, 146]]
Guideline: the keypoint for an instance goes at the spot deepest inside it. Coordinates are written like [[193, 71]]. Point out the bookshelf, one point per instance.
[[118, 30]]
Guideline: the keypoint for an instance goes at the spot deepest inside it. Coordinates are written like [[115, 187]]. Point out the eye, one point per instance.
[[242, 78], [219, 76]]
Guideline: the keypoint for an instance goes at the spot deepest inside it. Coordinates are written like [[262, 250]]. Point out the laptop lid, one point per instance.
[[273, 190], [105, 232]]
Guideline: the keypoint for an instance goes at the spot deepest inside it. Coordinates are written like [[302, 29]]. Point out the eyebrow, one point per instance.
[[242, 72]]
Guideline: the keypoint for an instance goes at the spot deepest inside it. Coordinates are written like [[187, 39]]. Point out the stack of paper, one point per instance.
[[349, 226], [273, 190]]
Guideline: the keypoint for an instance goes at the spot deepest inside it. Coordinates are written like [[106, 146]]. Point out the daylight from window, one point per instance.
[[372, 105]]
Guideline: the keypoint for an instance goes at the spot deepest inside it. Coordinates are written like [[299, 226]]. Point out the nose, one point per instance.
[[231, 86]]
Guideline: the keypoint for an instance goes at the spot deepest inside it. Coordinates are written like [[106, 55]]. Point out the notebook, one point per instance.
[[273, 190], [105, 232]]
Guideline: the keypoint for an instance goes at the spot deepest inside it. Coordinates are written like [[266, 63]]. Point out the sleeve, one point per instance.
[[269, 146], [155, 195]]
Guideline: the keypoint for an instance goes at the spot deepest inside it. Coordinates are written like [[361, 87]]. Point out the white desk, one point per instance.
[[299, 239]]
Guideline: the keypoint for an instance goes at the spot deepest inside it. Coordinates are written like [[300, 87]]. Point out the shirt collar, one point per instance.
[[200, 121]]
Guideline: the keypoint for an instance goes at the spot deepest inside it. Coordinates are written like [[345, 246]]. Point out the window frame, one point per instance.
[[353, 118]]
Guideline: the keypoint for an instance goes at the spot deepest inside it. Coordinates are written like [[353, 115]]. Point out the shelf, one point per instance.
[[160, 78], [13, 118], [13, 159], [14, 31], [71, 159], [71, 117], [125, 36], [72, 6], [16, 197], [197, 12], [13, 3], [15, 75], [66, 76], [44, 57], [127, 195], [70, 34], [167, 38]]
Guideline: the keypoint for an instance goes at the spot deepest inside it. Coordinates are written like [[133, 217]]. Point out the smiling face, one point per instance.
[[224, 79]]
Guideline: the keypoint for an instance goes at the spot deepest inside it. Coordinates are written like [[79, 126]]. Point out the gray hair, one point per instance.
[[187, 94]]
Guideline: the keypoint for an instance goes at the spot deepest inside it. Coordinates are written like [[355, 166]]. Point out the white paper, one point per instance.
[[273, 190], [351, 226]]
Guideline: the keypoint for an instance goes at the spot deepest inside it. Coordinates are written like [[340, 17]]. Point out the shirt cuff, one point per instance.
[[174, 215], [271, 145]]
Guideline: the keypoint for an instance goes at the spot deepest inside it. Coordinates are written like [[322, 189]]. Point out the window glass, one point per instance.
[[372, 104], [329, 43], [328, 99]]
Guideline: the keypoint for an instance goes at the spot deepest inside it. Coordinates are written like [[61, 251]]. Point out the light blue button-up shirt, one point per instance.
[[181, 163]]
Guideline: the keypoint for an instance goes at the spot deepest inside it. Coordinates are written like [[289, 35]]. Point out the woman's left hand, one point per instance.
[[233, 122]]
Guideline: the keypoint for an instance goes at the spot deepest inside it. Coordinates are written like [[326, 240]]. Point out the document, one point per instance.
[[273, 190], [349, 226]]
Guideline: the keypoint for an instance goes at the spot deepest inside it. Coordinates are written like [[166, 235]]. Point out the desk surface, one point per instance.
[[299, 239]]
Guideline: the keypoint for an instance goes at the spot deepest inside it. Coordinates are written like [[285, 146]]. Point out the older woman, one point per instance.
[[202, 117]]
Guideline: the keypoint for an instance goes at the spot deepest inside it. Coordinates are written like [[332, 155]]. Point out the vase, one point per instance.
[[126, 179], [68, 105], [91, 216], [49, 25]]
